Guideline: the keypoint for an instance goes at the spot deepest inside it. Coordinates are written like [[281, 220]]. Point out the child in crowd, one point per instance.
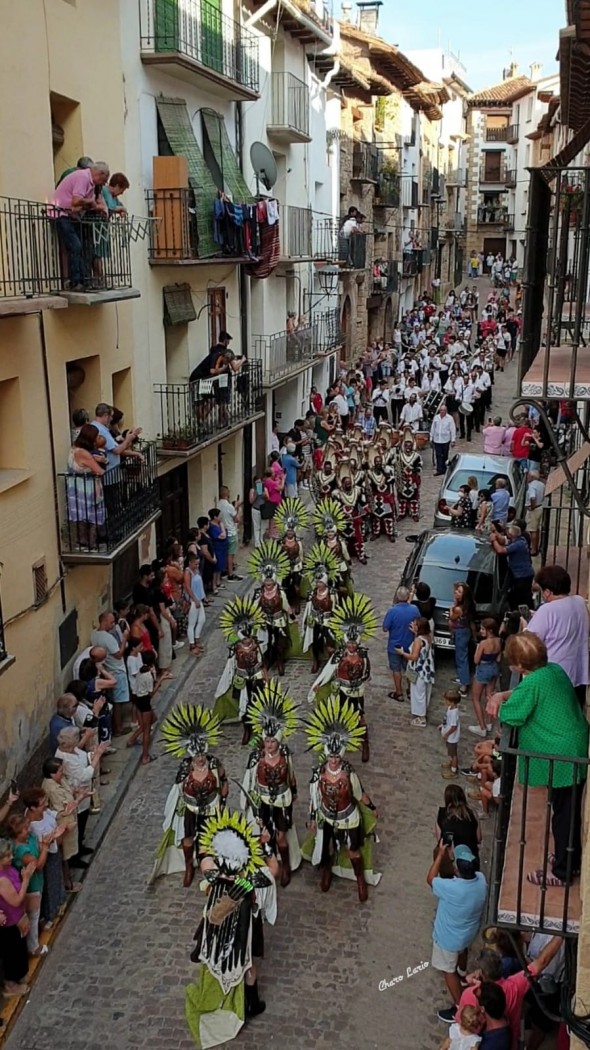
[[489, 793], [450, 731], [144, 689], [487, 667], [464, 1034]]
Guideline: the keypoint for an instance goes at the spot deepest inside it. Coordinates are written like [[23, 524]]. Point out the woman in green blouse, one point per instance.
[[545, 709]]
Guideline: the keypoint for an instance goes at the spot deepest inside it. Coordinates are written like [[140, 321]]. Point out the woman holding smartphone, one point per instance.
[[256, 499]]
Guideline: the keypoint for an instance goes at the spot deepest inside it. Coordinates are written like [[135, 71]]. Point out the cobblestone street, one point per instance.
[[117, 972]]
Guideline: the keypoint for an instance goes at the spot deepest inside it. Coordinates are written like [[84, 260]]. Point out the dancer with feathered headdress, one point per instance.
[[271, 565], [225, 993], [321, 569], [243, 624], [199, 791], [342, 816], [330, 523], [269, 784], [290, 519], [349, 667]]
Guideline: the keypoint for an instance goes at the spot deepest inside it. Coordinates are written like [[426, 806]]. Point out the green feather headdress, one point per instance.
[[354, 619], [334, 727], [230, 839], [241, 616], [328, 515], [320, 563], [291, 515], [190, 729], [272, 713], [269, 562]]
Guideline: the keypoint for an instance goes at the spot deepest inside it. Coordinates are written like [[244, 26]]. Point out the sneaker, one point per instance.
[[489, 726], [477, 731], [447, 1015], [178, 645], [462, 973], [457, 680], [234, 577], [469, 772]]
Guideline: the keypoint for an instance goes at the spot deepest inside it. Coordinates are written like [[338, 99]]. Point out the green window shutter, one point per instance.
[[178, 304], [233, 180], [166, 25], [181, 139]]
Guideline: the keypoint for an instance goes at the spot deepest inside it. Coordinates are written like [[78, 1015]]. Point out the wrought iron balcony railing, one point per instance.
[[100, 515], [191, 414], [511, 178], [199, 37], [329, 330], [296, 231], [329, 245], [34, 263], [493, 216], [512, 134], [523, 842], [174, 233], [497, 134], [412, 262], [387, 190], [384, 277], [492, 174], [289, 116], [365, 161], [284, 352]]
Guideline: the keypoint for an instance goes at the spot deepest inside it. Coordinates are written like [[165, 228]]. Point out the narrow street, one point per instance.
[[117, 972]]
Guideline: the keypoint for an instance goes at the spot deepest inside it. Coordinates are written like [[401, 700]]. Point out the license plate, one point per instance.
[[442, 642]]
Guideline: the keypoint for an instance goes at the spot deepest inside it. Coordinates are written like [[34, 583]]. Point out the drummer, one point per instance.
[[412, 413]]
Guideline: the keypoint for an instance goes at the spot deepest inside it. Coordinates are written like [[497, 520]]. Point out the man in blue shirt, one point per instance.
[[500, 501], [461, 901], [397, 624], [290, 465], [518, 555], [114, 449]]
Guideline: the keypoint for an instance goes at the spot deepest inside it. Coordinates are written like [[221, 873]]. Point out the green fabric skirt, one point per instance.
[[213, 1018]]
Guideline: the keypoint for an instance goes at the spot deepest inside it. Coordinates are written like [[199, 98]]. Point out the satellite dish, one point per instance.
[[264, 164]]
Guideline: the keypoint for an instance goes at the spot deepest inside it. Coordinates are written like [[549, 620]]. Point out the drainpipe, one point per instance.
[[244, 304], [62, 586]]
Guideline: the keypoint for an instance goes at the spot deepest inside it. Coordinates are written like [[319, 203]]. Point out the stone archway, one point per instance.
[[345, 324]]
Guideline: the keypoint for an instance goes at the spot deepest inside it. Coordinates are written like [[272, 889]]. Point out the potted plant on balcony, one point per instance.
[[185, 437]]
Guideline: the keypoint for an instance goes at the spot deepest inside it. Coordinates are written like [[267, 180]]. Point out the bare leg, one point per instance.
[[476, 695], [453, 983]]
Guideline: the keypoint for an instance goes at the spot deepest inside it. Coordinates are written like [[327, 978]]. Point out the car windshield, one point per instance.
[[478, 574], [485, 480]]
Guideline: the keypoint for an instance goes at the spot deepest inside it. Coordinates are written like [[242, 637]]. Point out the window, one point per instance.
[[66, 126], [40, 587], [12, 449], [484, 480], [68, 638], [217, 322], [529, 108]]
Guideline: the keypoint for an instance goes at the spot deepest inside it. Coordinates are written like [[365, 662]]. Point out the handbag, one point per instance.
[[411, 675], [267, 510]]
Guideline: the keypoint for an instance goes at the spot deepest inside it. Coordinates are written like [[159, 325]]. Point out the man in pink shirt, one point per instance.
[[493, 437], [77, 193], [562, 623], [515, 987]]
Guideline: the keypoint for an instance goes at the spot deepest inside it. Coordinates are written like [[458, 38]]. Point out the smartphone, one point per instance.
[[448, 838], [259, 488], [14, 787]]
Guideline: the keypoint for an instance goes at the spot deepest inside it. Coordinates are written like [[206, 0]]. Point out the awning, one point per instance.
[[557, 477], [233, 181], [178, 304], [181, 139]]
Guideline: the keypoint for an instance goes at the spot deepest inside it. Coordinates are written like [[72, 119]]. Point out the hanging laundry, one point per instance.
[[272, 211]]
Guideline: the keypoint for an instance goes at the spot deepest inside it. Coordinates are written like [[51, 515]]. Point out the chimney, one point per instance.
[[345, 11], [535, 68], [369, 16]]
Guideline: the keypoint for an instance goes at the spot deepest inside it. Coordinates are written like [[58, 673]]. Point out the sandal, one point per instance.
[[152, 758], [546, 881], [418, 721]]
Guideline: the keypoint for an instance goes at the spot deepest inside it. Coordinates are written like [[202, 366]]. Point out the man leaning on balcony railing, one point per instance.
[[545, 709], [77, 193]]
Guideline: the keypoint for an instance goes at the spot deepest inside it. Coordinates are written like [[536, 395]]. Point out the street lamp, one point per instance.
[[328, 278]]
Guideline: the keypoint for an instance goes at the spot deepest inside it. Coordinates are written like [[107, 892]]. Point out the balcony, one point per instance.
[[385, 277], [296, 233], [491, 216], [101, 517], [511, 179], [522, 842], [454, 223], [458, 177], [310, 22], [387, 190], [193, 41], [365, 162], [512, 134], [329, 331], [174, 233], [492, 175], [330, 246], [412, 262], [289, 120], [34, 268], [285, 353], [193, 415], [497, 134]]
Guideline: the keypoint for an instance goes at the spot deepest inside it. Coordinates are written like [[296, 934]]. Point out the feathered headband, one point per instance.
[[291, 515], [241, 616], [334, 727], [320, 563], [272, 713], [353, 619], [230, 839], [269, 562], [328, 516], [190, 729]]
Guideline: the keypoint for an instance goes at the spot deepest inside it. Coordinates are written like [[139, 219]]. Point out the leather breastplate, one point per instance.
[[274, 778], [350, 668], [247, 655], [336, 794], [200, 792], [321, 604], [291, 549], [271, 603]]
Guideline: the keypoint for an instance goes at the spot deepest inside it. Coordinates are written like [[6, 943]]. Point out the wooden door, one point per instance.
[[166, 25], [212, 35], [217, 318], [493, 166], [174, 503]]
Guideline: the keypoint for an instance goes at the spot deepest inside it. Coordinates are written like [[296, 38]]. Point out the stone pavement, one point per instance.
[[118, 969]]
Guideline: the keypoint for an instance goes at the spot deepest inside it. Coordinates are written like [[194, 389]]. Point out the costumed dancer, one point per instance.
[[269, 784], [290, 520], [198, 793], [321, 569], [325, 478], [270, 564], [242, 623], [329, 522], [408, 476], [352, 497], [225, 992], [342, 816], [382, 499], [349, 667]]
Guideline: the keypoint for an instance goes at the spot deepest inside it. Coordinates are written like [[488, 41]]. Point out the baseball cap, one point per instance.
[[463, 853]]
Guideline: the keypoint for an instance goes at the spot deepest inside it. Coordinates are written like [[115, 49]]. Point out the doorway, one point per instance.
[[494, 245], [217, 317], [174, 505]]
